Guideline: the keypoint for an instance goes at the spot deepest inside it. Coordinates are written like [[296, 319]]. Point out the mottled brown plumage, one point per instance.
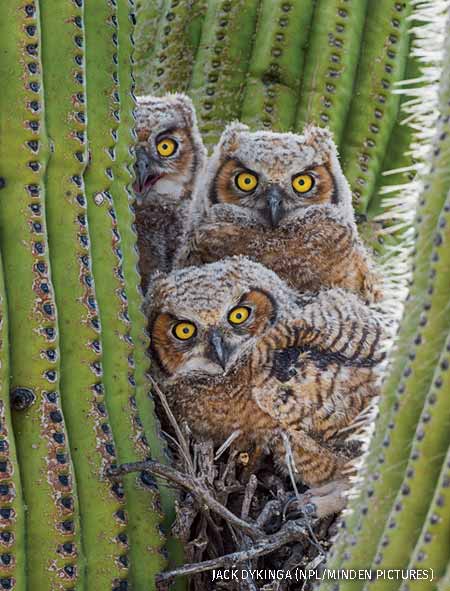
[[169, 157], [235, 349], [282, 200]]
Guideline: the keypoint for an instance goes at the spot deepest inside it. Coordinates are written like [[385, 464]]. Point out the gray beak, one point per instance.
[[274, 205], [218, 350], [143, 171]]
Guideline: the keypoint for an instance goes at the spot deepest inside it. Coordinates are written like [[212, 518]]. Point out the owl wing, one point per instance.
[[318, 368], [334, 322]]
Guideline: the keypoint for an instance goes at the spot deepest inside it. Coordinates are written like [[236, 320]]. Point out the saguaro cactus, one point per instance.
[[42, 444], [12, 525], [399, 519], [74, 348], [338, 63]]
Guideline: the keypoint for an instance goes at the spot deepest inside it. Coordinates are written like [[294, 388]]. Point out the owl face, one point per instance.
[[169, 152], [205, 320], [275, 174]]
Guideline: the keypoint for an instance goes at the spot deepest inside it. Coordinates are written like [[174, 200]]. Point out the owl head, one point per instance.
[[169, 150], [205, 320], [273, 175]]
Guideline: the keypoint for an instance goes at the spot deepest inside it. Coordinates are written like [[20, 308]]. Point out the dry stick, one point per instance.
[[191, 484], [246, 542], [291, 532], [271, 509], [250, 490], [181, 439]]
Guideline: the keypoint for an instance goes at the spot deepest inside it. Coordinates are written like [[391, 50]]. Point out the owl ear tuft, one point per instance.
[[319, 138], [186, 106], [229, 140]]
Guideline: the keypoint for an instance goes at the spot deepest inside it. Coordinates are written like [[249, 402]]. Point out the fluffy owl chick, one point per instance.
[[169, 157], [237, 351], [282, 200]]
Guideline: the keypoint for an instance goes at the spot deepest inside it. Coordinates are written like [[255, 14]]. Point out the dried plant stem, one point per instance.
[[291, 532], [194, 486]]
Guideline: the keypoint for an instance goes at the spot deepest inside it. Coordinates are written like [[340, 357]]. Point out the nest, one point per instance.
[[233, 521]]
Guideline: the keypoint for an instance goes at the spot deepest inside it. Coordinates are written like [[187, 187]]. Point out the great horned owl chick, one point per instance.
[[282, 200], [169, 157], [236, 350]]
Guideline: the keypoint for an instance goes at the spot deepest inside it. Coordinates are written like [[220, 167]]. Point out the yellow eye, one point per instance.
[[246, 181], [239, 315], [302, 183], [184, 330], [166, 147]]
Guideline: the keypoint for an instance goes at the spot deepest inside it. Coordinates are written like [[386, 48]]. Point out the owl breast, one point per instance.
[[214, 408], [310, 251]]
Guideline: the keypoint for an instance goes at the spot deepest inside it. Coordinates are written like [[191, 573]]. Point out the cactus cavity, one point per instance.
[[280, 64]]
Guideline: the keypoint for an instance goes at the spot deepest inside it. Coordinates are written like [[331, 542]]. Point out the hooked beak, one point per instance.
[[145, 177], [218, 350], [274, 209]]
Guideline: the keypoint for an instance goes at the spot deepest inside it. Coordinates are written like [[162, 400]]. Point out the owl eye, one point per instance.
[[239, 315], [246, 181], [166, 147], [302, 183], [184, 331]]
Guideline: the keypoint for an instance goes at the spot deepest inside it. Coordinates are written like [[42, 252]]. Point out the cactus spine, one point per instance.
[[134, 402], [176, 44]]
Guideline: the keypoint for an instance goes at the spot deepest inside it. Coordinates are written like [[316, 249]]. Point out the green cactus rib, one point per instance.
[[396, 425], [433, 548], [382, 63], [220, 69], [436, 185], [444, 583], [151, 443], [178, 37], [52, 541], [144, 401], [103, 522], [431, 440], [276, 64], [398, 153], [414, 306], [12, 530], [130, 409], [146, 32], [330, 64]]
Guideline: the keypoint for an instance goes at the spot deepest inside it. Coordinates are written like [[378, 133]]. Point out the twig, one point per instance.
[[181, 439], [271, 509], [250, 490], [290, 462], [226, 444], [291, 532], [191, 484]]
